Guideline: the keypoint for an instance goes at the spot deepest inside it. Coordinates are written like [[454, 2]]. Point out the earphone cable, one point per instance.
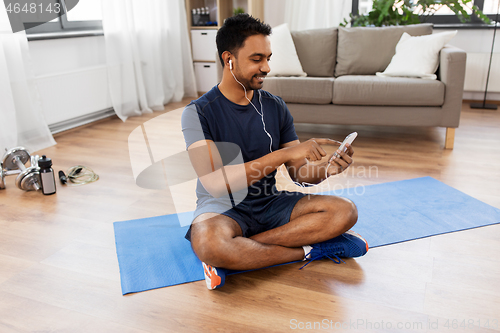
[[303, 184], [260, 113]]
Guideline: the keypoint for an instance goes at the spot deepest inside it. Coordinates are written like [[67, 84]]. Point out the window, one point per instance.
[[443, 16], [365, 6], [86, 15], [490, 7]]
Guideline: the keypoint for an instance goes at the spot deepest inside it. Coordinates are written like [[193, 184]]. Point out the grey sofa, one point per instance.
[[341, 86]]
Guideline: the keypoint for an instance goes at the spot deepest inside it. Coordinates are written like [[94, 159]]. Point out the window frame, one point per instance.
[[63, 26], [447, 20]]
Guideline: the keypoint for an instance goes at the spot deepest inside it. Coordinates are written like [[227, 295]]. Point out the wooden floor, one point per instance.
[[59, 272]]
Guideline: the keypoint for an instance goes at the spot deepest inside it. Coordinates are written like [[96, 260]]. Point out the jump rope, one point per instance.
[[261, 113]]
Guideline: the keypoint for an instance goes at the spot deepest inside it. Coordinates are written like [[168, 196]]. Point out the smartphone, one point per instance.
[[348, 140]]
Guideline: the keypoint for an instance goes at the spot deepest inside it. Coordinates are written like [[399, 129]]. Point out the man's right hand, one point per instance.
[[310, 149]]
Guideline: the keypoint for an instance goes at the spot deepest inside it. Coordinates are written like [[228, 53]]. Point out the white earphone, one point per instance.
[[261, 113]]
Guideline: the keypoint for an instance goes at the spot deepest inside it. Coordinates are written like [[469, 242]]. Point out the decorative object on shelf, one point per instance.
[[201, 17], [483, 105], [405, 12]]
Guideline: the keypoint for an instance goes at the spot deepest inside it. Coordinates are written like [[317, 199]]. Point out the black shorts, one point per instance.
[[257, 215]]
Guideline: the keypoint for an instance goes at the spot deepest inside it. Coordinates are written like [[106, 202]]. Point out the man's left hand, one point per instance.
[[340, 161]]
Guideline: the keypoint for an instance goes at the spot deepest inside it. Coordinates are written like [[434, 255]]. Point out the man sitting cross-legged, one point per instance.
[[242, 221]]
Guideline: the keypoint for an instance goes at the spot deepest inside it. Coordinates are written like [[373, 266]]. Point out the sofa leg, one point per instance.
[[450, 138]]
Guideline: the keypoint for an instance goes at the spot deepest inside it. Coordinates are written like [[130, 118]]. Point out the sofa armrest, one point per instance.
[[452, 74]]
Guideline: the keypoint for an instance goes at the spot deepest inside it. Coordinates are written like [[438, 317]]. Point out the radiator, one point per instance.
[[76, 94], [477, 71]]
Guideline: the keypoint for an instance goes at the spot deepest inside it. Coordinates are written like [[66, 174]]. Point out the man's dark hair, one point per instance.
[[236, 30]]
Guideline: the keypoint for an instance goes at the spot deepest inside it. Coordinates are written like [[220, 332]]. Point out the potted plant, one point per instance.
[[238, 10], [404, 12]]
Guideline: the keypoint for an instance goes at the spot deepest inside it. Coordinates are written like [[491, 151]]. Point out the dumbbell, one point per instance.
[[28, 179], [2, 177], [4, 173], [7, 167]]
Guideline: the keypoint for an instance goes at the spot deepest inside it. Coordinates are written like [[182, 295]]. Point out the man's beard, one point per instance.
[[251, 84]]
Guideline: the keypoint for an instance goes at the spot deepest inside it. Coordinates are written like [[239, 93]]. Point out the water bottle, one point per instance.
[[47, 175]]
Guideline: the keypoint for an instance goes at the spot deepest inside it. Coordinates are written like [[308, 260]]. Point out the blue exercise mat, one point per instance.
[[153, 253]]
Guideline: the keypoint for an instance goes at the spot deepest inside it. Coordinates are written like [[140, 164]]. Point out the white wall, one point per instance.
[[274, 12], [477, 44], [71, 76]]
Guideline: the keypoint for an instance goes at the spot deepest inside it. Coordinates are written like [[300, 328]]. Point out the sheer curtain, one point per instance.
[[315, 14], [22, 122], [148, 54]]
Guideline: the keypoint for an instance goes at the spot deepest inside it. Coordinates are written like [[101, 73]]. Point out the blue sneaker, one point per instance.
[[347, 245], [214, 277]]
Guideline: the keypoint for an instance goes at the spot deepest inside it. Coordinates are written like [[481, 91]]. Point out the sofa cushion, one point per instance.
[[308, 90], [375, 90], [317, 50], [285, 60], [367, 50], [418, 56]]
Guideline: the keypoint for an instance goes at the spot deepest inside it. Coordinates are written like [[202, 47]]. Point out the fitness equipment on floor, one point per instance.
[[29, 178], [7, 167], [14, 161], [2, 177]]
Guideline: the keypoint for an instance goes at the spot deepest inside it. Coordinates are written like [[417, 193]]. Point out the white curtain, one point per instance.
[[148, 54], [22, 122], [316, 14]]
